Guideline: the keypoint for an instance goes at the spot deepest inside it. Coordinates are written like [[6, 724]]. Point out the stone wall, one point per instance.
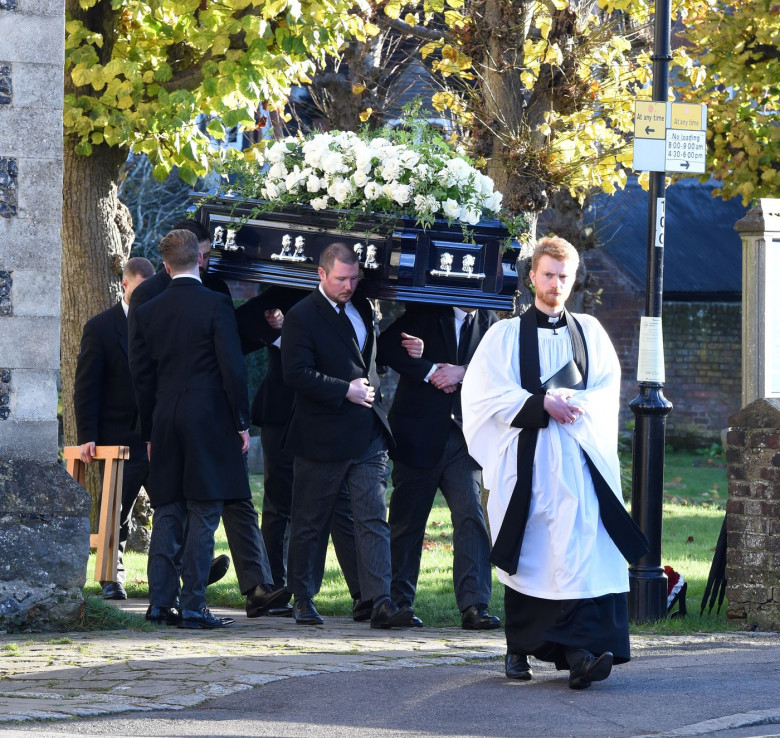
[[44, 514], [753, 516], [702, 349]]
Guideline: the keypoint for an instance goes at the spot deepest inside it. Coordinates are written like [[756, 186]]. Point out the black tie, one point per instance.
[[345, 319], [463, 338]]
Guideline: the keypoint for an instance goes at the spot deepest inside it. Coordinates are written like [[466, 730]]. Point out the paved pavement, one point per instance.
[[270, 677]]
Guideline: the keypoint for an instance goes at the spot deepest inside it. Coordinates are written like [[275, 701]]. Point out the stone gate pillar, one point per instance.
[[44, 524], [760, 234], [753, 515]]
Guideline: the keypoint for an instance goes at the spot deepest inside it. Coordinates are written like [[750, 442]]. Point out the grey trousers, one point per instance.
[[316, 488], [458, 477], [195, 546]]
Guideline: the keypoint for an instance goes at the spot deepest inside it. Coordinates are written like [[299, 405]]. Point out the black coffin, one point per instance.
[[399, 260]]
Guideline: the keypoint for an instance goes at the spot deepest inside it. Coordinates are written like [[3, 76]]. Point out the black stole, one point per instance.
[[627, 536]]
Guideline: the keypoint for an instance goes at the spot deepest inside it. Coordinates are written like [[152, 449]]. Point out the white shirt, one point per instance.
[[354, 318]]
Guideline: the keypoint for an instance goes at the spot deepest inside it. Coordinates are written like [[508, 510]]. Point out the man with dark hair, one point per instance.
[[104, 403], [338, 434], [238, 513], [540, 411]]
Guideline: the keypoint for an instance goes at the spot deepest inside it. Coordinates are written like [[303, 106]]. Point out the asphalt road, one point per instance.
[[727, 689]]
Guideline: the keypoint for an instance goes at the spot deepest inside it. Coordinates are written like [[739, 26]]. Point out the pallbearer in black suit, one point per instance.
[[339, 435], [104, 403], [260, 321], [431, 453], [239, 516], [190, 382]]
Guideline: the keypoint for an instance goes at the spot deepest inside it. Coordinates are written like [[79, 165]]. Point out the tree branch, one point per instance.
[[421, 32]]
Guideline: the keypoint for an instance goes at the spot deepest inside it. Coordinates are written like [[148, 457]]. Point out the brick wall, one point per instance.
[[702, 350], [753, 516]]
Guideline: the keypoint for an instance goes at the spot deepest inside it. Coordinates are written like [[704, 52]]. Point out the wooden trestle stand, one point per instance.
[[106, 540]]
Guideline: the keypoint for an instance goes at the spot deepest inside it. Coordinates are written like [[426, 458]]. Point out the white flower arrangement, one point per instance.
[[395, 172]]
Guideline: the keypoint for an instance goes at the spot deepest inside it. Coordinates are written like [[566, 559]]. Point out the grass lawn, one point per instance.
[[695, 494]]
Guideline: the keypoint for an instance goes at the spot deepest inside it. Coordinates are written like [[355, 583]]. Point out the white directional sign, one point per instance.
[[686, 151], [670, 137]]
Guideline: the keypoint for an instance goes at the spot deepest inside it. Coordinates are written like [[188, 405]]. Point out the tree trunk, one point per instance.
[[94, 247]]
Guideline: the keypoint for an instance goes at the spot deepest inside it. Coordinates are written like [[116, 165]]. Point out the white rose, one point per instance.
[[450, 208], [363, 158], [401, 193], [314, 183], [372, 191], [319, 203], [340, 190], [390, 170], [270, 191], [280, 149], [470, 215], [332, 162], [460, 169], [493, 203], [277, 171], [360, 178], [409, 158], [484, 184]]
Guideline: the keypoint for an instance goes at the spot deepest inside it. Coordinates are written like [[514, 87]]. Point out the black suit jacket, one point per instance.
[[156, 285], [103, 396], [320, 357], [190, 382], [272, 404], [421, 415]]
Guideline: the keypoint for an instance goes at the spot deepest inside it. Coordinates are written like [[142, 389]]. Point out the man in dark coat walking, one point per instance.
[[190, 382], [338, 435], [104, 403], [430, 453]]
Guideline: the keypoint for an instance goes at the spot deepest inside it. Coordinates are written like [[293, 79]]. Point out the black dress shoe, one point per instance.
[[415, 622], [284, 611], [516, 667], [388, 615], [477, 617], [114, 591], [590, 669], [305, 613], [219, 567], [263, 597], [361, 610], [202, 619], [163, 615]]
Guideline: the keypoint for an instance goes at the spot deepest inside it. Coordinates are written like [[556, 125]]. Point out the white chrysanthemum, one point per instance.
[[426, 204]]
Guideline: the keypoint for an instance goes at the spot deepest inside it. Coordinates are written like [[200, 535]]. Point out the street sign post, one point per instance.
[[670, 137]]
